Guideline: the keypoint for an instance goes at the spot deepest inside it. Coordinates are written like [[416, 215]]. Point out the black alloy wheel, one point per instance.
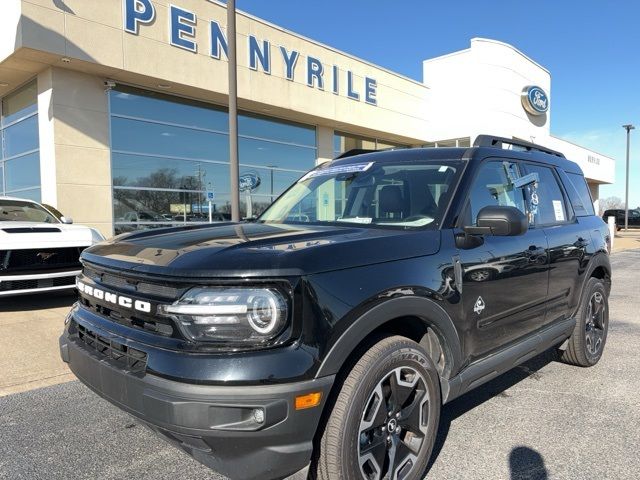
[[586, 344], [381, 423], [394, 425], [595, 324]]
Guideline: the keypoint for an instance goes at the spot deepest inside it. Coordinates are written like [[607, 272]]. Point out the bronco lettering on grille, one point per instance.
[[121, 300]]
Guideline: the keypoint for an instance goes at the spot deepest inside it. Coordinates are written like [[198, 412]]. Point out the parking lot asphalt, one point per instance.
[[542, 420]]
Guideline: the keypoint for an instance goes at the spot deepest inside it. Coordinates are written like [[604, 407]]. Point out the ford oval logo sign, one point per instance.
[[535, 100], [249, 182]]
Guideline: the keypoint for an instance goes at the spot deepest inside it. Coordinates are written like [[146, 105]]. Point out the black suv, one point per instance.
[[633, 218], [328, 333]]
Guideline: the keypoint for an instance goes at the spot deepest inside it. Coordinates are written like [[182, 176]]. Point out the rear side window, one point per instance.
[[546, 201], [583, 204]]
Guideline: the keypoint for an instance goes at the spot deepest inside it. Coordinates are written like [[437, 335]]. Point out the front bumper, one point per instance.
[[215, 424]]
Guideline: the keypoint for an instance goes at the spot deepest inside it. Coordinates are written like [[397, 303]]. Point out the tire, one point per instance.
[[587, 342], [354, 441]]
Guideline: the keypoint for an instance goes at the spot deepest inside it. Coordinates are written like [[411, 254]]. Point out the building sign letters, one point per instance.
[[182, 33]]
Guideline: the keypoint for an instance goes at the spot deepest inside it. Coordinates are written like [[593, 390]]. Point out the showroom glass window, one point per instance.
[[168, 152], [343, 142], [19, 152]]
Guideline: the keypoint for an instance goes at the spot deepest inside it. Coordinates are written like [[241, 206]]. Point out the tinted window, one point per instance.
[[492, 187], [167, 152], [163, 108], [19, 156], [19, 104], [546, 201], [255, 126], [584, 195]]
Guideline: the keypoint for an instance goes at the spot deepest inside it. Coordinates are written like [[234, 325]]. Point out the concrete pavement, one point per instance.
[[29, 331]]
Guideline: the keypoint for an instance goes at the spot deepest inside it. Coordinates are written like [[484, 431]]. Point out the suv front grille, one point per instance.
[[126, 284], [13, 262], [150, 324], [125, 357], [121, 284]]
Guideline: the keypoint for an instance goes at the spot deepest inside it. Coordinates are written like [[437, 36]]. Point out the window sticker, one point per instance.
[[337, 170], [558, 210]]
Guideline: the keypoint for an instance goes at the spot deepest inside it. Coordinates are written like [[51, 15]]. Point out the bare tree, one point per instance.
[[610, 203]]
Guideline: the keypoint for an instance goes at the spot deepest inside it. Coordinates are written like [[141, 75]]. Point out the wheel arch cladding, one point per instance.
[[385, 318]]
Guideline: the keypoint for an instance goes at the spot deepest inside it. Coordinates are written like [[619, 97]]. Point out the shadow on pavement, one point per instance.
[[40, 301], [527, 464], [494, 388]]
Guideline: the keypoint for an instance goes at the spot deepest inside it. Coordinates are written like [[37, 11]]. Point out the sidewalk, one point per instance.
[[626, 240], [29, 331]]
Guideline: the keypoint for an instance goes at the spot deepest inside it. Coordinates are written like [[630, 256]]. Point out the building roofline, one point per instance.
[[582, 146], [315, 42], [487, 40], [503, 44]]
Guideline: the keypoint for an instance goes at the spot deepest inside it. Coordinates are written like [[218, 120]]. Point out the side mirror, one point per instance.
[[501, 221], [66, 220]]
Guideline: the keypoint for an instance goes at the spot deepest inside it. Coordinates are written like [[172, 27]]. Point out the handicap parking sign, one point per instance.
[[210, 195]]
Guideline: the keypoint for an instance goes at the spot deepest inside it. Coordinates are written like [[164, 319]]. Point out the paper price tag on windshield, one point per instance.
[[558, 210], [337, 170]]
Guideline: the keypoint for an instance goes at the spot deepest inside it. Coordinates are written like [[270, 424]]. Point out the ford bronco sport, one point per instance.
[[327, 334]]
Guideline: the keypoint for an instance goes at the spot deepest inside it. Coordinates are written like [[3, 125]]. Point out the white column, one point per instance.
[[47, 138], [324, 136]]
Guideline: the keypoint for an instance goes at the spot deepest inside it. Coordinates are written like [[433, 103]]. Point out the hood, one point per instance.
[[256, 249], [23, 235]]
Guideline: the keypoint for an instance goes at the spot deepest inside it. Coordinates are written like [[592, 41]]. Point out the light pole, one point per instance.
[[628, 128], [233, 112], [271, 167]]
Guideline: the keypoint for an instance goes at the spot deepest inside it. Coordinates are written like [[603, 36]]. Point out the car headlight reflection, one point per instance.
[[230, 315]]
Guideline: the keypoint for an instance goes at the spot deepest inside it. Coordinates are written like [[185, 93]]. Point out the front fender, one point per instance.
[[432, 314]]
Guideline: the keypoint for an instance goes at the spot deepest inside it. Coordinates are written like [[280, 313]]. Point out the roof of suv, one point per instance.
[[472, 154]]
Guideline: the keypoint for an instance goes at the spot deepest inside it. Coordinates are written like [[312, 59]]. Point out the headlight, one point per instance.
[[230, 315]]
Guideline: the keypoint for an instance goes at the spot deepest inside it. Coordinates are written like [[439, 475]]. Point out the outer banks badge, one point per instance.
[[479, 306]]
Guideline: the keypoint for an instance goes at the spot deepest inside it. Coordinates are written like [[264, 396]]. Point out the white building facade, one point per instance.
[[115, 112]]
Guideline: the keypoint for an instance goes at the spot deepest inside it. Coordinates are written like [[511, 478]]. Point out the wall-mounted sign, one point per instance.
[[535, 100], [182, 34], [249, 182]]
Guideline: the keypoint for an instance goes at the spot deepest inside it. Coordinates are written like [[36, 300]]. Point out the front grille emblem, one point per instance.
[[44, 256]]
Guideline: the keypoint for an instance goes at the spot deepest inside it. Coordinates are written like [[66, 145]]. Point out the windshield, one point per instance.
[[397, 194], [18, 211]]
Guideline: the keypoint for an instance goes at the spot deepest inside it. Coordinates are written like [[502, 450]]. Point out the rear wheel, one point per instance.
[[384, 420], [586, 344]]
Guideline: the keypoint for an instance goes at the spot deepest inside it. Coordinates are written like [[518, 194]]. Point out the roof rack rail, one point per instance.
[[353, 152], [359, 151], [496, 142]]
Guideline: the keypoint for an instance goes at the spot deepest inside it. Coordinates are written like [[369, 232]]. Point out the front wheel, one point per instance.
[[383, 422]]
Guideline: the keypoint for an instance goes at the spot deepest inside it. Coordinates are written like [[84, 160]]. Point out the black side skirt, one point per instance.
[[500, 362]]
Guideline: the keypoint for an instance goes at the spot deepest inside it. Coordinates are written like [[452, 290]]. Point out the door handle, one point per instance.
[[581, 242]]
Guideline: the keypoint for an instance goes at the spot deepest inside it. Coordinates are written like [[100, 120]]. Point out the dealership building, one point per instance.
[[115, 111]]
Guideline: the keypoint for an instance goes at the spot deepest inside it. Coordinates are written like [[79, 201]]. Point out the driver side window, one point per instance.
[[493, 187]]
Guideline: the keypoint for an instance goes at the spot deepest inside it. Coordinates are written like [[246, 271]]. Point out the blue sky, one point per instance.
[[589, 46]]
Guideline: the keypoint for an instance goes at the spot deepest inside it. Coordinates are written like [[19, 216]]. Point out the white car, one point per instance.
[[39, 250]]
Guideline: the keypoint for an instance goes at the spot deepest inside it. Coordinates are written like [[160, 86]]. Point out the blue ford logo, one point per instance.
[[249, 182], [535, 100]]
